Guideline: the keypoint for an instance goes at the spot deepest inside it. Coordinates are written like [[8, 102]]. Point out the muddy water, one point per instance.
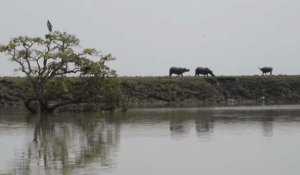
[[215, 140]]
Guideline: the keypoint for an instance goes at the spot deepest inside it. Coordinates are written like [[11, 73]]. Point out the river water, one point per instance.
[[243, 140]]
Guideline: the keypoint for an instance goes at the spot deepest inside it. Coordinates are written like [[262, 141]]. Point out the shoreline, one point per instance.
[[147, 92]]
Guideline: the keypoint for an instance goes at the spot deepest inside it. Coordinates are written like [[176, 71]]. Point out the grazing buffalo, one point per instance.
[[266, 70], [203, 71], [178, 71]]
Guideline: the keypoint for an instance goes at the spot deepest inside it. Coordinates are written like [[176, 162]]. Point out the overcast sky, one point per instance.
[[232, 37]]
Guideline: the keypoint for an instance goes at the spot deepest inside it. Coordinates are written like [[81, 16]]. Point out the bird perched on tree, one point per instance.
[[49, 25]]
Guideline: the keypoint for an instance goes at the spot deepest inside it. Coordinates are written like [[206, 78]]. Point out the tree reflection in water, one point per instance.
[[89, 143], [62, 144]]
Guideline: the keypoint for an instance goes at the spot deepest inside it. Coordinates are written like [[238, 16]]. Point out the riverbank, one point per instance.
[[149, 91], [193, 91]]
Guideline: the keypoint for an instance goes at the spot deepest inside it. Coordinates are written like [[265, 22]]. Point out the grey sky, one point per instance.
[[232, 37]]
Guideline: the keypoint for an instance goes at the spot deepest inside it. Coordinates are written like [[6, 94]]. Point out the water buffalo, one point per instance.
[[266, 70], [178, 71], [203, 71]]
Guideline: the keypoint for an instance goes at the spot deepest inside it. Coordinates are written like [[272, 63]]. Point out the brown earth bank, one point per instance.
[[185, 91], [173, 91]]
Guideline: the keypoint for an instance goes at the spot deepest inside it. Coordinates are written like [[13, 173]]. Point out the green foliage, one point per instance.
[[57, 86], [47, 61]]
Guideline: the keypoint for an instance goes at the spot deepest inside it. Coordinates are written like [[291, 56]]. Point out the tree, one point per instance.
[[48, 63]]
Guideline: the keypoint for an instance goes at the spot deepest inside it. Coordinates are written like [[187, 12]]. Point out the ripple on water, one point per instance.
[[211, 140]]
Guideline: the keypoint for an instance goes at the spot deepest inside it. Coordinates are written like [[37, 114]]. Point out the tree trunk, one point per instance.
[[44, 107], [31, 107], [38, 106]]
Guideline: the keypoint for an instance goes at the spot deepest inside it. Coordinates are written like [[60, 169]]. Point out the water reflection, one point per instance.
[[61, 144], [204, 123], [178, 125], [77, 144], [267, 124], [181, 124]]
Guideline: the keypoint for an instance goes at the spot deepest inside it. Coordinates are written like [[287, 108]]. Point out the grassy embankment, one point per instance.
[[212, 90], [195, 90]]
